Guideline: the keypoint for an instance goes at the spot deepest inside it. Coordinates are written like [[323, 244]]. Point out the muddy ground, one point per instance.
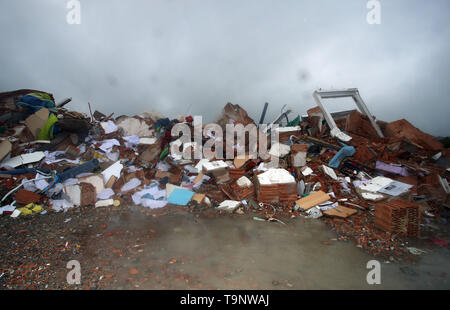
[[133, 248]]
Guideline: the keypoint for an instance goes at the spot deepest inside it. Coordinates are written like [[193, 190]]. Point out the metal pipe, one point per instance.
[[263, 115], [64, 102]]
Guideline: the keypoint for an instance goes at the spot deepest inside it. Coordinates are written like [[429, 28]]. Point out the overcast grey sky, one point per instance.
[[194, 56]]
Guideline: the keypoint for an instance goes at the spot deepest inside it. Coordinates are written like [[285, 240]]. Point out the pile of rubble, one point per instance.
[[371, 181]]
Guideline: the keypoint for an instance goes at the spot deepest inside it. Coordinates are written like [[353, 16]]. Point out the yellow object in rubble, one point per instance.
[[37, 209], [31, 208], [98, 155], [25, 211]]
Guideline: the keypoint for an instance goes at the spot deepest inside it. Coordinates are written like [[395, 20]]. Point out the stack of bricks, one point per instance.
[[236, 173], [398, 217], [242, 192], [286, 192], [267, 193]]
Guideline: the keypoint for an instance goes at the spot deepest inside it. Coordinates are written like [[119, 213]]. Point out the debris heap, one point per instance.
[[370, 181]]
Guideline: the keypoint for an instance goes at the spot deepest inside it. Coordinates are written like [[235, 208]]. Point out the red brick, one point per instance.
[[88, 194], [403, 128], [26, 197]]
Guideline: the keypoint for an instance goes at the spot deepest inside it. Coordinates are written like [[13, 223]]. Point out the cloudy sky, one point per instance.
[[194, 56]]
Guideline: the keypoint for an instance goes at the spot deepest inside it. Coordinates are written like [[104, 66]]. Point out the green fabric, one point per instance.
[[295, 122], [42, 96], [46, 132]]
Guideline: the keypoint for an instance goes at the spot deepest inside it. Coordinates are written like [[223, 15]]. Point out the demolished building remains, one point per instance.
[[370, 181]]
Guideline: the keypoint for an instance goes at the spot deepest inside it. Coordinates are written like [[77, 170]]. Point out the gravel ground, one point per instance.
[[172, 248]]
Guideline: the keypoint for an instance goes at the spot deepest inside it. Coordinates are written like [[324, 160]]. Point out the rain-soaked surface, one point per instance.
[[129, 249]]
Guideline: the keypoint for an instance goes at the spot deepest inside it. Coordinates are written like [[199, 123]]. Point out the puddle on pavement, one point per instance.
[[237, 252]]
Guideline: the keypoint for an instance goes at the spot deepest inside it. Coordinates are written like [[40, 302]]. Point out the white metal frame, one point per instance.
[[350, 92]]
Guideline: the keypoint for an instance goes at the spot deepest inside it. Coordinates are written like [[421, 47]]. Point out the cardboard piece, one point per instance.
[[239, 162], [198, 178], [5, 149], [199, 198], [312, 200], [340, 211], [170, 188], [36, 121], [112, 180]]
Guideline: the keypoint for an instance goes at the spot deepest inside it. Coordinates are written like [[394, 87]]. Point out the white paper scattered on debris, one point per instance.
[[131, 141], [133, 169], [29, 186], [327, 206], [307, 171], [373, 185], [153, 204], [155, 192], [23, 159], [163, 166], [40, 183], [330, 172], [61, 205], [105, 194], [16, 213], [55, 190], [113, 170], [395, 188], [109, 126], [74, 161], [371, 196], [214, 165], [132, 184], [314, 212], [108, 144]]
